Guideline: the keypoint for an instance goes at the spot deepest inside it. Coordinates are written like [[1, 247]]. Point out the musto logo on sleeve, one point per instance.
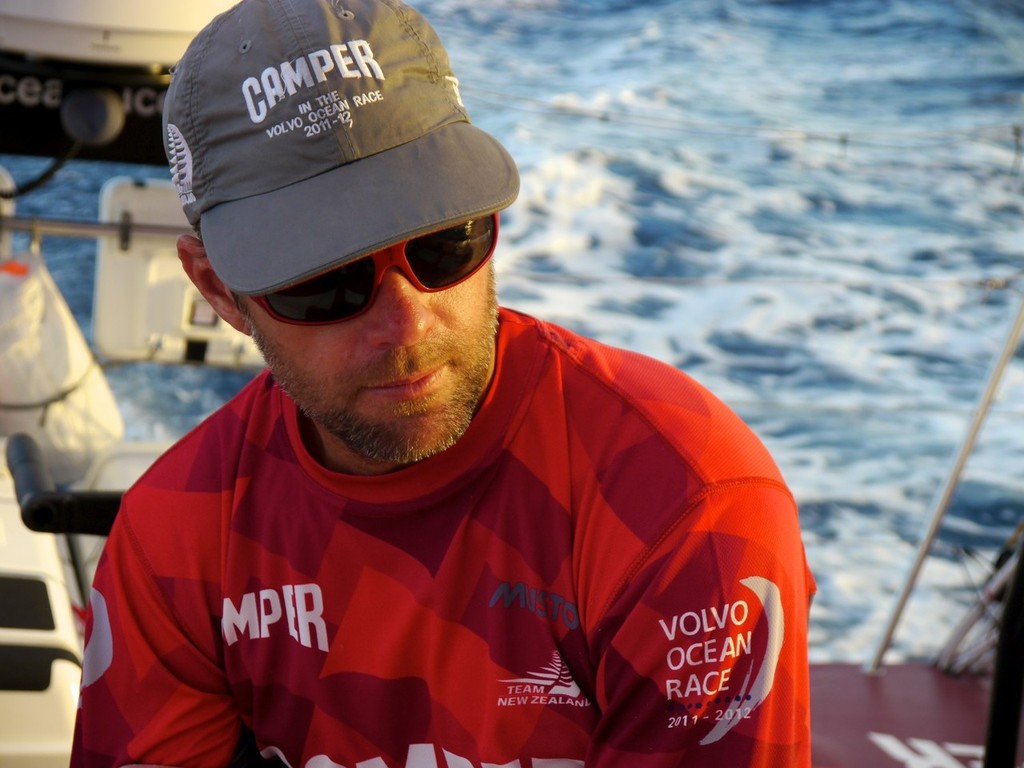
[[714, 673]]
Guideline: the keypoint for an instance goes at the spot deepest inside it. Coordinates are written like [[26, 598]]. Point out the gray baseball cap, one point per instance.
[[308, 133]]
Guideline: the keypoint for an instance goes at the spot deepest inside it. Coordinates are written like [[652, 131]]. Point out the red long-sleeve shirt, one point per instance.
[[606, 570]]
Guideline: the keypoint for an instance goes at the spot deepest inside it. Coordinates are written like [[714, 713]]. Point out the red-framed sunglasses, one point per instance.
[[431, 262]]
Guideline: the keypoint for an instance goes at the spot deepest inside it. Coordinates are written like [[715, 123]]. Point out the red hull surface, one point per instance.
[[909, 715]]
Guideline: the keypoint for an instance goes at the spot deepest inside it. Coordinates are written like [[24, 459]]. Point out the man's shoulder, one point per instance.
[[616, 396], [637, 379], [212, 449]]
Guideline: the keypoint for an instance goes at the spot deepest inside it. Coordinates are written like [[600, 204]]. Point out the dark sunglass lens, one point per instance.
[[443, 258], [335, 295]]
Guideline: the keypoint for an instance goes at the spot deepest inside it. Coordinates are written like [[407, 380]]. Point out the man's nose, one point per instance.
[[402, 314]]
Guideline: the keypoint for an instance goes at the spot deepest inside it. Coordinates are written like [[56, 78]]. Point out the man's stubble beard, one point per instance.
[[384, 440]]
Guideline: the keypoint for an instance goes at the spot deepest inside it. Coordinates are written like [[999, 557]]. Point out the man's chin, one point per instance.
[[415, 437]]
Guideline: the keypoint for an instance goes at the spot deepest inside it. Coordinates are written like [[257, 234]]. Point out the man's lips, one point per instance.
[[414, 387]]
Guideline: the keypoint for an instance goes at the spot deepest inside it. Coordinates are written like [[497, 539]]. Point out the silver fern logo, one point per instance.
[[555, 678], [181, 164], [552, 684]]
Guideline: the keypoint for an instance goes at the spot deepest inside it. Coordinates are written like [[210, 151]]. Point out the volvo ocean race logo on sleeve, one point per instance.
[[715, 676], [99, 647]]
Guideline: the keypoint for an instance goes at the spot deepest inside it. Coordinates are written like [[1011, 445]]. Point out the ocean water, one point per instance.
[[815, 208]]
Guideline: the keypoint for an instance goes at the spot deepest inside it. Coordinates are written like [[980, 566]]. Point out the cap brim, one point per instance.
[[262, 243]]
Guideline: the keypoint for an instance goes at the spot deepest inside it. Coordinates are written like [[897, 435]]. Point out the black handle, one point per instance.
[[47, 510]]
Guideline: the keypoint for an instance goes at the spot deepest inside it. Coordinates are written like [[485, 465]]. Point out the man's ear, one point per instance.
[[196, 264]]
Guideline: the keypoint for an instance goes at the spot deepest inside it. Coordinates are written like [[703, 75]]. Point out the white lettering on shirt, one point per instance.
[[257, 614]]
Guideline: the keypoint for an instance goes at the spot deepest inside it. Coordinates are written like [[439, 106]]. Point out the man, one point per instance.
[[434, 533]]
